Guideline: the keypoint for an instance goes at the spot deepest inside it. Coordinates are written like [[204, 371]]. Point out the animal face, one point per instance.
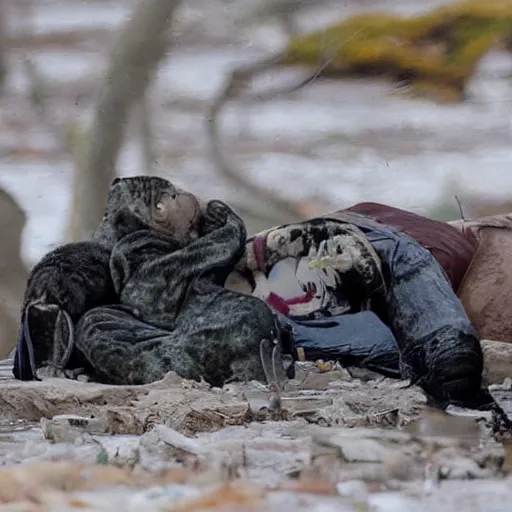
[[157, 203]]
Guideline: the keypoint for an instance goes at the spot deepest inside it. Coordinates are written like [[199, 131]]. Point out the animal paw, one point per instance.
[[217, 214], [78, 374], [52, 372]]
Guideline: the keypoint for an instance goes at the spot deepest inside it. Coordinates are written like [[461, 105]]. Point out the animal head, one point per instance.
[[148, 202]]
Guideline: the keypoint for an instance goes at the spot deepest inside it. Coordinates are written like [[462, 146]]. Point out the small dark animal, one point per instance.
[[183, 319], [75, 277], [147, 202], [66, 283]]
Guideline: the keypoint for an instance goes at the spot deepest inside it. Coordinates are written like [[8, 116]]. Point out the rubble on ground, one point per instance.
[[343, 440]]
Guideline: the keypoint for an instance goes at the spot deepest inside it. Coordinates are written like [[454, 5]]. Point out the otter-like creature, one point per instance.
[[182, 319], [75, 277], [148, 202], [62, 286]]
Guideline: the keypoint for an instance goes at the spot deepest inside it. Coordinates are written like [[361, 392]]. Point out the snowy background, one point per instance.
[[333, 142]]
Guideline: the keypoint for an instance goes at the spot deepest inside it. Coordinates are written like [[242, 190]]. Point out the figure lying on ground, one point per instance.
[[154, 298], [182, 318], [476, 256], [405, 290], [167, 262], [75, 277]]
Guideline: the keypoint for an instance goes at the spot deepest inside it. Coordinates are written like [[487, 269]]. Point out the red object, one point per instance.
[[302, 299], [451, 248], [278, 303], [283, 305], [258, 248]]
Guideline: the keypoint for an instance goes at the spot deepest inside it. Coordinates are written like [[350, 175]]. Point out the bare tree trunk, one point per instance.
[[145, 133], [3, 47], [141, 46]]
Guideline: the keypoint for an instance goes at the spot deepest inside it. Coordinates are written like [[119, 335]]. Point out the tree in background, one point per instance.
[[141, 46]]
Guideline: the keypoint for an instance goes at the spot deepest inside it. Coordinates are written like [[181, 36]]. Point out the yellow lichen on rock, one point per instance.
[[437, 50]]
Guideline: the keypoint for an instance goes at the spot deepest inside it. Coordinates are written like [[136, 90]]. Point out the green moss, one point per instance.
[[438, 49]]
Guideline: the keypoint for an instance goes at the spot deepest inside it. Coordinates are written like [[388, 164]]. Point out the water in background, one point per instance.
[[336, 142]]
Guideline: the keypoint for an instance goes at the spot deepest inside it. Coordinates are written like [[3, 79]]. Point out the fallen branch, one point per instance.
[[435, 53]]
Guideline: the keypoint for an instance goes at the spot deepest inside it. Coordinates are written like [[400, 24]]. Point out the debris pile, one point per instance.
[[341, 442]]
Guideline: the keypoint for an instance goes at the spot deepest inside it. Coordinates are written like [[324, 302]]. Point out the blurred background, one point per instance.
[[284, 108]]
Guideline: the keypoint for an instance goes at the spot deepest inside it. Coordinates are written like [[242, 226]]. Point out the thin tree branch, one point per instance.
[[270, 95], [325, 61], [235, 85], [234, 89]]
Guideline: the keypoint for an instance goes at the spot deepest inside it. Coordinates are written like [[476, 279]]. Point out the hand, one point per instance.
[[216, 215]]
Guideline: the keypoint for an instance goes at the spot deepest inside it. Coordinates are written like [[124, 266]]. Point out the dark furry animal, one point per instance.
[[182, 319], [75, 278], [147, 202], [61, 287]]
